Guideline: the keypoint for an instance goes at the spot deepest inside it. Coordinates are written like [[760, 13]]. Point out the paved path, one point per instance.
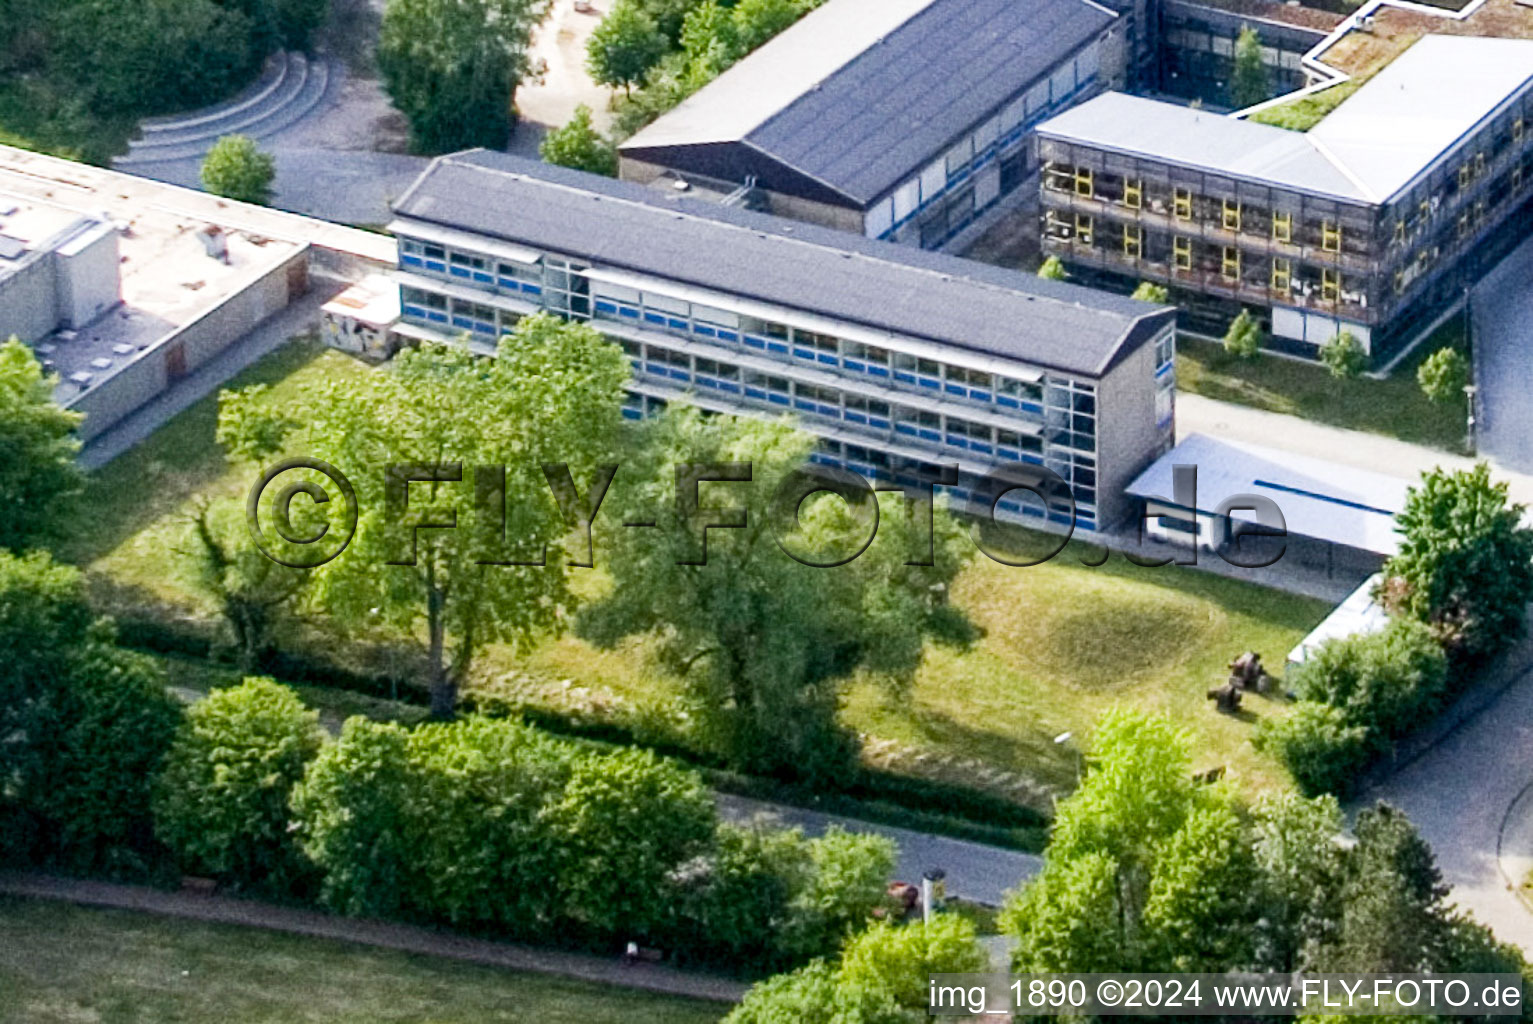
[[383, 934], [975, 871], [1502, 307]]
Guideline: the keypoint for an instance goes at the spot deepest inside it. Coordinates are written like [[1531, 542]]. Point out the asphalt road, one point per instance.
[[976, 872], [1503, 349]]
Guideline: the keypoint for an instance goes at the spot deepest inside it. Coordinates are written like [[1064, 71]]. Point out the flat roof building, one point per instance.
[[1365, 223], [897, 119], [900, 360]]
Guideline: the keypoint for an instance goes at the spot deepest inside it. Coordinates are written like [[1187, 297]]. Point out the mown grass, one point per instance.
[[62, 964], [1062, 642], [1395, 406]]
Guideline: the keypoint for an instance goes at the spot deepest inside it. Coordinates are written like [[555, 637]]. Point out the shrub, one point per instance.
[[222, 800], [580, 146], [1443, 376], [236, 168], [1149, 291], [1053, 269], [1344, 356], [1323, 752], [1244, 337], [1385, 682], [849, 879]]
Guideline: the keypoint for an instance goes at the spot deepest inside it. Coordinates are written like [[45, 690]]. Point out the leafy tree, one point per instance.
[[452, 67], [1249, 83], [1053, 269], [580, 146], [1298, 876], [1244, 337], [554, 393], [350, 813], [1386, 682], [624, 46], [1070, 917], [760, 639], [710, 40], [757, 21], [668, 16], [625, 822], [1149, 291], [897, 959], [1199, 912], [1322, 750], [250, 588], [222, 800], [1443, 375], [1344, 356], [298, 20], [1465, 562], [806, 994], [734, 903], [236, 168], [39, 480], [848, 879]]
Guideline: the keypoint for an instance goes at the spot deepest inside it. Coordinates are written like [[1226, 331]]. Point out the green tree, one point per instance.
[[1149, 291], [710, 40], [625, 823], [1386, 682], [1053, 269], [624, 46], [1465, 561], [806, 994], [580, 146], [1201, 906], [1344, 356], [298, 20], [251, 589], [1070, 917], [1322, 750], [1298, 876], [756, 21], [1244, 337], [1443, 376], [553, 394], [760, 639], [733, 905], [222, 799], [1249, 84], [39, 481], [452, 67], [847, 882], [668, 16], [897, 959], [350, 812], [236, 168]]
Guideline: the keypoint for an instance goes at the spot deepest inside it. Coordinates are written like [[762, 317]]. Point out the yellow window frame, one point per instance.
[[1400, 232], [1133, 193], [1282, 227], [1083, 186], [1083, 228], [1517, 128], [1464, 173], [1181, 249], [1399, 282], [1182, 202], [1133, 241], [1330, 285], [1330, 236], [1229, 266], [1231, 215], [1282, 273], [1479, 165]]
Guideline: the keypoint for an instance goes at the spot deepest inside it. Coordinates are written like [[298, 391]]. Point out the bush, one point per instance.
[[1323, 752], [1244, 337], [236, 168], [1053, 269], [1387, 682], [1344, 356], [580, 146], [222, 800], [1149, 291], [1443, 376]]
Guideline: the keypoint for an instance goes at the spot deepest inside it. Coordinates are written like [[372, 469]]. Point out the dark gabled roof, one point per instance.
[[859, 95], [878, 285]]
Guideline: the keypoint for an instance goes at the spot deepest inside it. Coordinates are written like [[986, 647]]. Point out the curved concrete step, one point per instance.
[[242, 121], [273, 74]]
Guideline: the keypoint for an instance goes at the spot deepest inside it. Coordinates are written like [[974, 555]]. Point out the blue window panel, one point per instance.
[[878, 422], [755, 393], [983, 396], [778, 347], [463, 322], [440, 318], [1034, 459], [980, 446], [856, 417], [532, 289], [905, 428], [929, 435], [637, 364], [1009, 453], [929, 382], [957, 442], [907, 378], [654, 318], [605, 307], [728, 335], [1086, 522], [755, 342], [827, 359], [707, 382], [958, 178], [804, 353], [509, 283], [459, 272], [415, 311], [703, 329], [852, 364], [681, 374], [778, 399], [878, 371], [956, 389], [1060, 517], [1009, 403], [1164, 370], [436, 265], [632, 414], [799, 403], [733, 389], [412, 261], [675, 324], [983, 160], [1032, 407], [834, 412], [629, 312], [483, 278]]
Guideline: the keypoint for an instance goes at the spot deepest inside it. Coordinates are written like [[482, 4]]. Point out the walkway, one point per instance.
[[383, 934], [1502, 307]]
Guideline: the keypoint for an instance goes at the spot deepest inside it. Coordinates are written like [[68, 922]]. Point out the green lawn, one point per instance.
[[1394, 406], [61, 964], [1063, 641]]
